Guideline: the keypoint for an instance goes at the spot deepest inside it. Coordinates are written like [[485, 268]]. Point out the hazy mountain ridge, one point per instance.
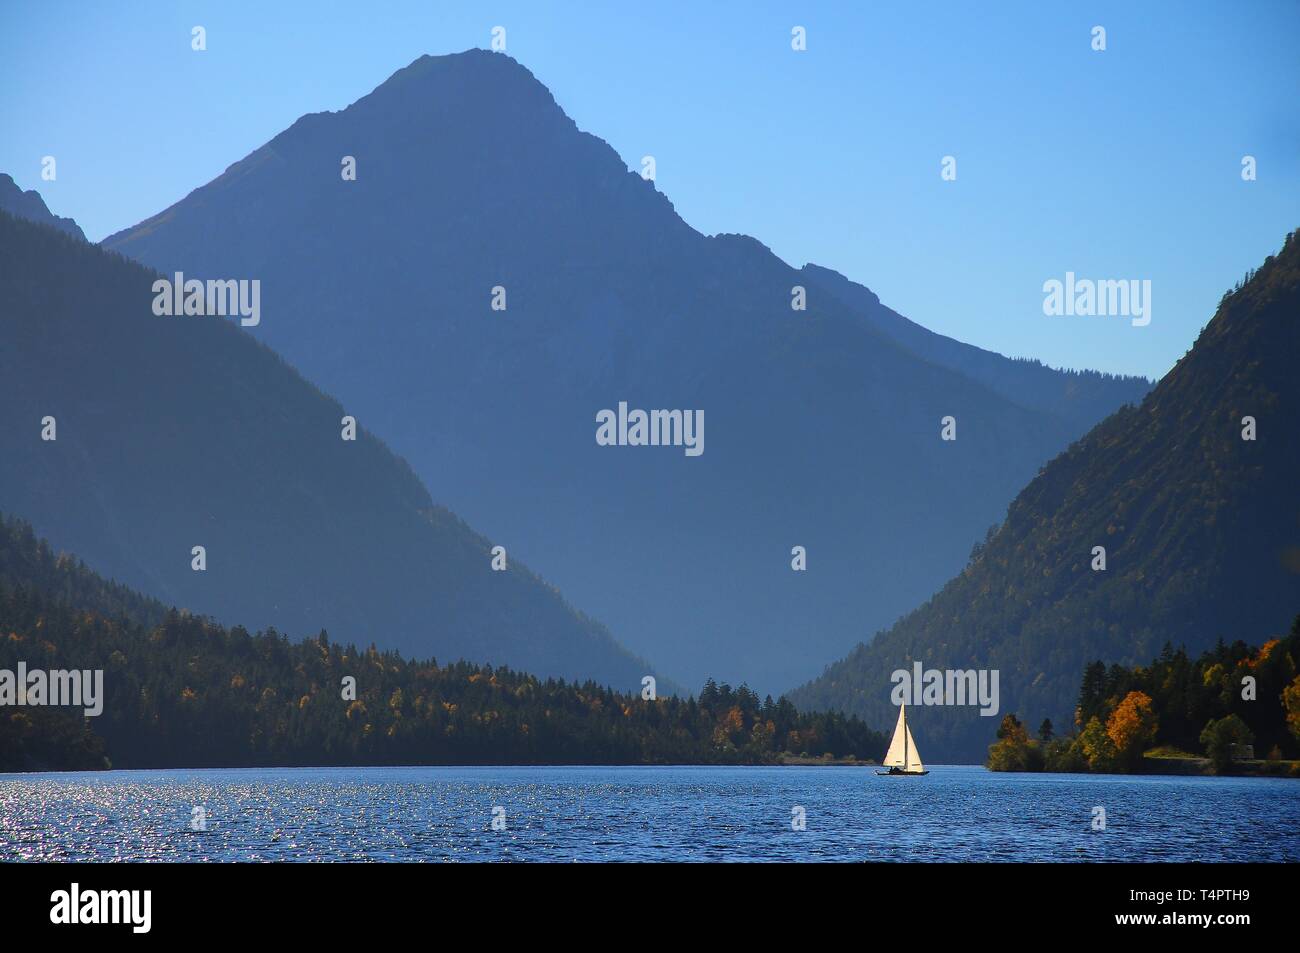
[[181, 431], [1201, 530], [31, 206], [821, 430], [1081, 397]]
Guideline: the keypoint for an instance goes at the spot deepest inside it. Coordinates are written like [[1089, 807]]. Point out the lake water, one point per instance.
[[642, 813]]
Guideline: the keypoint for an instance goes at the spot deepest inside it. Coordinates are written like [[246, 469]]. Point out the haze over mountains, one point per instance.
[[1078, 397], [822, 426], [1201, 529], [175, 432]]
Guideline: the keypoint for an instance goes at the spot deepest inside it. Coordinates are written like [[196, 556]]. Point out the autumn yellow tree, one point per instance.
[[1097, 748], [1132, 727], [1013, 750], [1291, 703]]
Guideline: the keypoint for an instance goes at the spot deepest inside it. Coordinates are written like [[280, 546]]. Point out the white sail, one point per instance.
[[913, 756], [896, 757], [902, 751]]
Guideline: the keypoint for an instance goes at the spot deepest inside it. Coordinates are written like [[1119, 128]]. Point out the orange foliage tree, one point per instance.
[[1132, 726]]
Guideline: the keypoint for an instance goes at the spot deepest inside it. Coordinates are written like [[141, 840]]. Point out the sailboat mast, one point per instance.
[[906, 735]]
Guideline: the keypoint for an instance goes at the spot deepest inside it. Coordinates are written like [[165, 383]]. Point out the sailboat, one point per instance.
[[902, 756]]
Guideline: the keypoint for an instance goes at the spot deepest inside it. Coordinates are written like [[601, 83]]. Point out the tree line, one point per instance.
[[1213, 706], [183, 691]]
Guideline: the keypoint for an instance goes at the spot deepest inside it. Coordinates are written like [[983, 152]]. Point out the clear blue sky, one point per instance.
[[1122, 164]]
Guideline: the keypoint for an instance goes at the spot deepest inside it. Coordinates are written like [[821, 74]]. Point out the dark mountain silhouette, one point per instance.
[[175, 432], [821, 429], [1201, 530], [30, 206]]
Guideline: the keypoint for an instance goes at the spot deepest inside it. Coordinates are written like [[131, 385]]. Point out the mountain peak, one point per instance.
[[30, 206], [471, 79], [471, 62]]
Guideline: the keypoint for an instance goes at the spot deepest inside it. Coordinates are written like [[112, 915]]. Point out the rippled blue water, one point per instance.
[[642, 813]]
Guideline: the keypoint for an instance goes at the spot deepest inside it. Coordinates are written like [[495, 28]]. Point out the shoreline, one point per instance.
[[793, 762], [1190, 767]]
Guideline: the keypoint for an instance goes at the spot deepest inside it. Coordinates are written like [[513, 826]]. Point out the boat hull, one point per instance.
[[900, 774]]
